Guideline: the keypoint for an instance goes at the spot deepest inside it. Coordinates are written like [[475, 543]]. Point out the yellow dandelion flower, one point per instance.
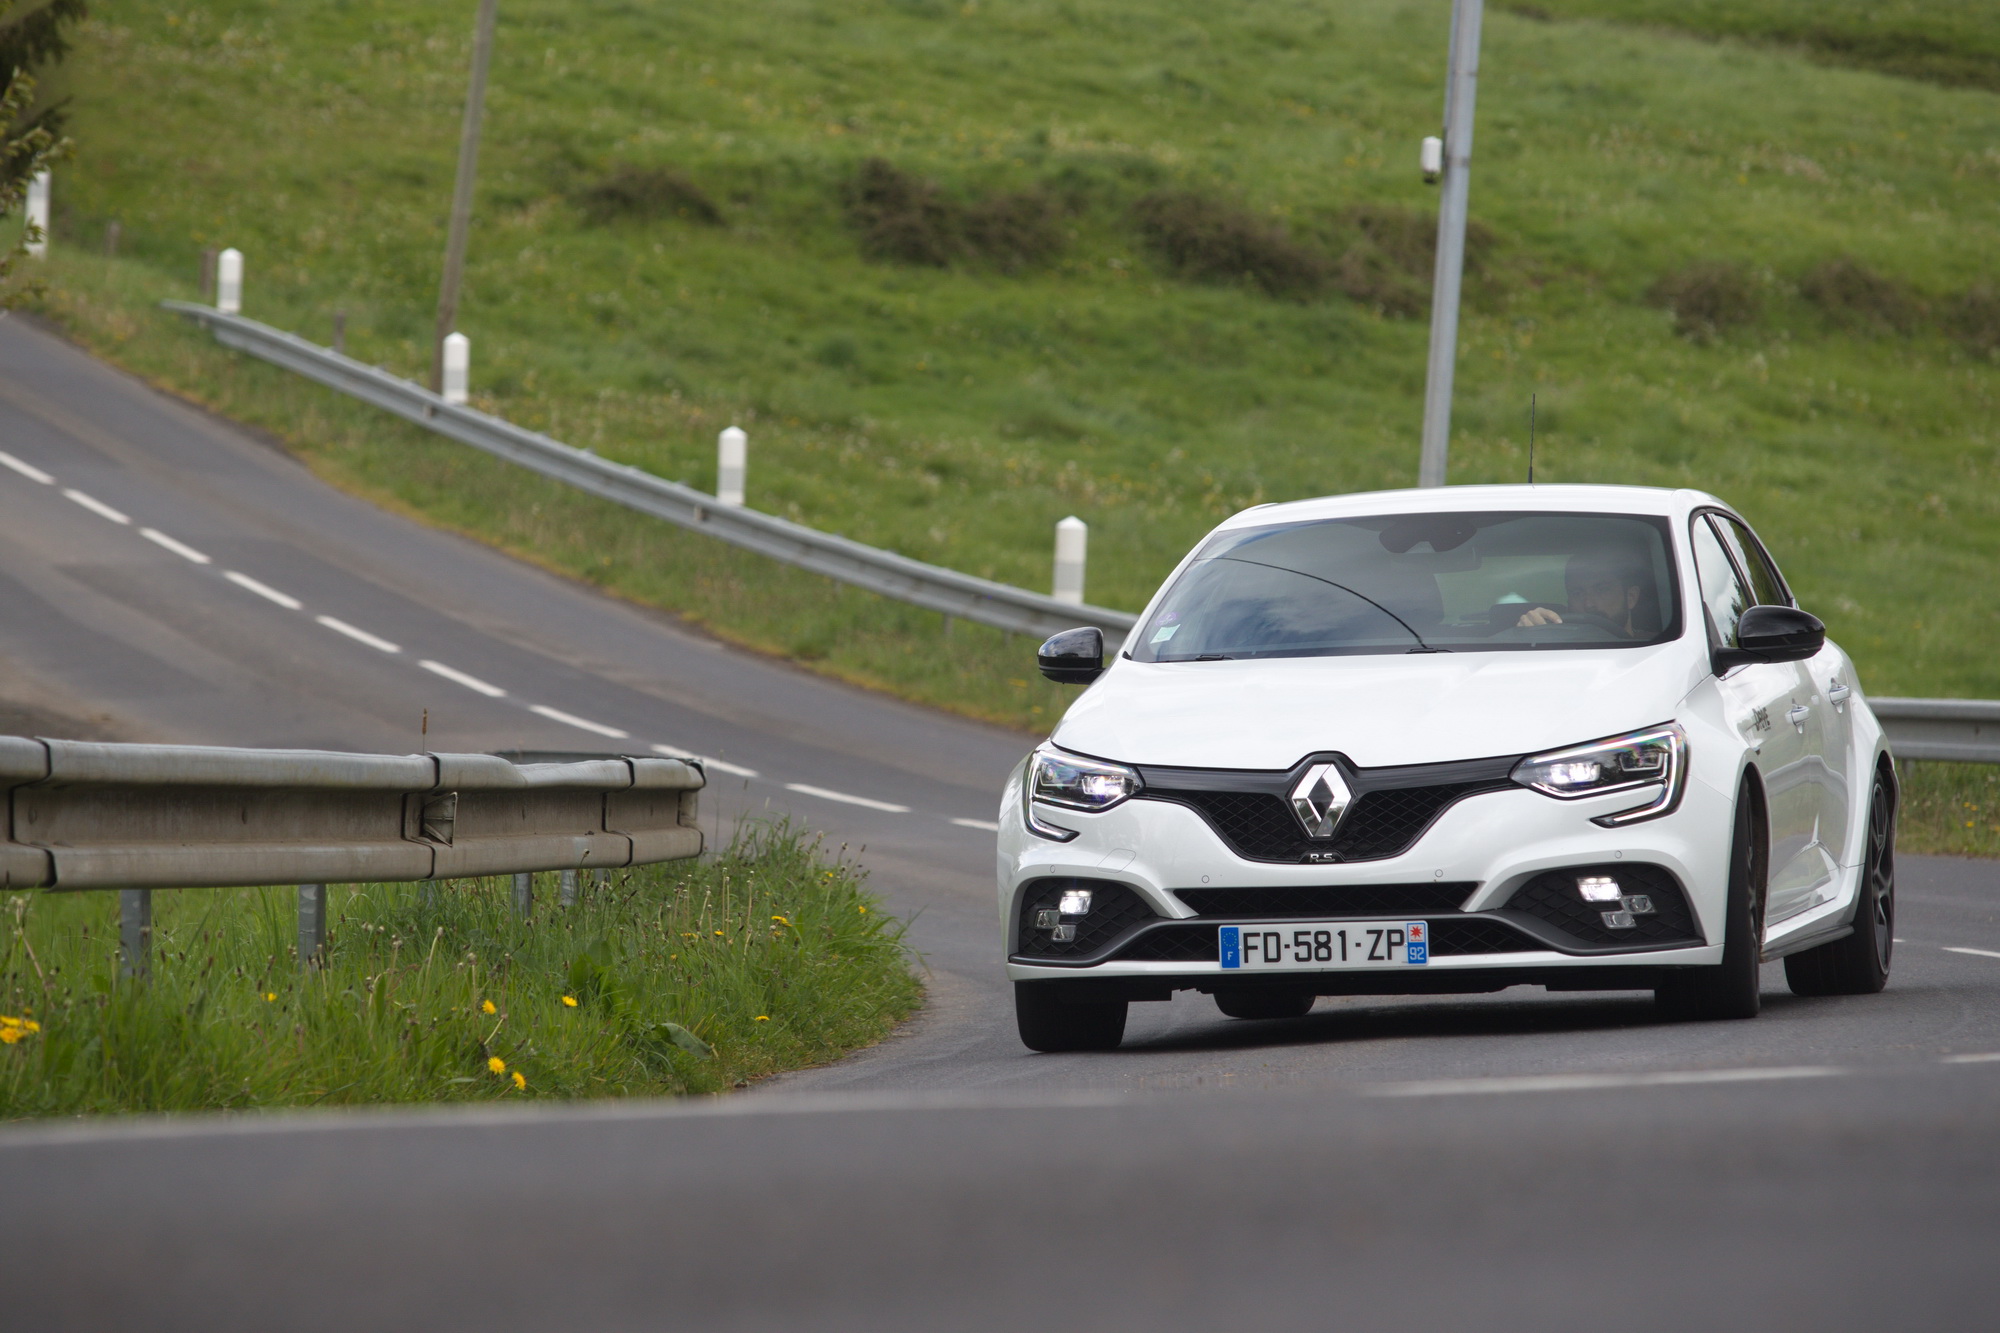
[[8, 1036], [762, 1018], [32, 1026], [8, 1021], [861, 908], [270, 996], [781, 921], [718, 932], [520, 1084], [486, 1007], [570, 1000], [497, 1065]]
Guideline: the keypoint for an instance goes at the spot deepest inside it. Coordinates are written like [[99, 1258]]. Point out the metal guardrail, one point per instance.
[[1964, 730], [89, 815], [896, 576]]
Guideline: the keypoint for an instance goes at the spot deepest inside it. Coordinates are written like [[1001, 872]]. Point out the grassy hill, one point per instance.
[[962, 269]]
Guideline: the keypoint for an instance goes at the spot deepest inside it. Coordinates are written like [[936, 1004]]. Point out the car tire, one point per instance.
[[1265, 1002], [1050, 1020], [1731, 989], [1859, 964]]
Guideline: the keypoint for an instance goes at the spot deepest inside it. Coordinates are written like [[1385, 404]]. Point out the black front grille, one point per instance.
[[1465, 935], [1173, 944], [1332, 901], [1260, 826], [1115, 911], [1553, 898]]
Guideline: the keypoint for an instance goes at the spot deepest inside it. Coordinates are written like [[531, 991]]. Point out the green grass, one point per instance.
[[1950, 809], [688, 977]]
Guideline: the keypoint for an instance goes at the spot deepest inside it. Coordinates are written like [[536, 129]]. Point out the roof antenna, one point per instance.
[[1531, 439]]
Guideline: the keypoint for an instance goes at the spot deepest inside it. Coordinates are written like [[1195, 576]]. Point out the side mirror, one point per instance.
[[1772, 634], [1073, 657]]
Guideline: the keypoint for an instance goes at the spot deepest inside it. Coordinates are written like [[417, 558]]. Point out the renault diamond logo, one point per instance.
[[1320, 799]]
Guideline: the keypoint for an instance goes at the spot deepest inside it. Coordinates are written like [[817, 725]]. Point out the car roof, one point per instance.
[[1650, 500]]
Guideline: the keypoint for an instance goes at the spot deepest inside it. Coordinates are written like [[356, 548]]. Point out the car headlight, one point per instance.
[[1653, 759], [1076, 783]]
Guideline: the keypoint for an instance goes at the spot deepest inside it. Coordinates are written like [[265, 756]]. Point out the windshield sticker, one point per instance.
[[1164, 632]]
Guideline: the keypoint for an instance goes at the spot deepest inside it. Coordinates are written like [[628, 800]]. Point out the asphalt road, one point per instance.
[[1511, 1161]]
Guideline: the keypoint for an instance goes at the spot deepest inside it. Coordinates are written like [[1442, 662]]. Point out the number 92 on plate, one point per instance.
[[1323, 946]]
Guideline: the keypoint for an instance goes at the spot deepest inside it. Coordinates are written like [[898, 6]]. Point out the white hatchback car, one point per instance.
[[1451, 741]]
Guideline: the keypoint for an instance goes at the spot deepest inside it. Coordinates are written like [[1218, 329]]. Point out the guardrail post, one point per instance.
[[112, 231], [312, 923], [457, 367], [524, 894], [732, 461], [1072, 539], [135, 933], [340, 332], [567, 896], [229, 281], [208, 274], [38, 212]]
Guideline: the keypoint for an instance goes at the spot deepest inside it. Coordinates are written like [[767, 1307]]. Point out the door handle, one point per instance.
[[1797, 717], [1837, 693]]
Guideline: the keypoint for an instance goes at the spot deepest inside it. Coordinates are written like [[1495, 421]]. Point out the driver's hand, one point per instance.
[[1541, 615]]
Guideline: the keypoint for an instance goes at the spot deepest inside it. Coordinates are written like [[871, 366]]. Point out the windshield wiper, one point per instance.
[[1421, 647]]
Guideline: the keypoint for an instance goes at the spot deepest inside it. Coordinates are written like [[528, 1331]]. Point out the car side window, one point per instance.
[[1765, 584], [1722, 592]]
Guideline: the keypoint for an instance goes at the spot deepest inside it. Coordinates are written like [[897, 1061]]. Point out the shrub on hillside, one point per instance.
[[648, 192], [909, 220], [1974, 319], [1391, 256], [1855, 296], [1707, 297], [1203, 237]]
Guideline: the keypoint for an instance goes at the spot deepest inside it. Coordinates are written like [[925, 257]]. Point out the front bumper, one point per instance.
[[1469, 875]]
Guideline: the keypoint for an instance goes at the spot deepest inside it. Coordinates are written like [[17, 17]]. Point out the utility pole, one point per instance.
[[1461, 85], [461, 192]]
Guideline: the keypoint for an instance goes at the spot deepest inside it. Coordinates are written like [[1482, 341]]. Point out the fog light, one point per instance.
[[1065, 933], [1076, 902], [1618, 920], [1047, 918], [1638, 904], [1598, 888]]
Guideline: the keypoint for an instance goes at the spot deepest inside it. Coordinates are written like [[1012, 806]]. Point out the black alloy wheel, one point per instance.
[[1732, 988], [1049, 1018], [1265, 1002], [1859, 964]]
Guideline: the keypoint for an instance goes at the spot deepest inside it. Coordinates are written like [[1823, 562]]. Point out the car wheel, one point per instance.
[[1730, 989], [1859, 964], [1049, 1020], [1265, 1002]]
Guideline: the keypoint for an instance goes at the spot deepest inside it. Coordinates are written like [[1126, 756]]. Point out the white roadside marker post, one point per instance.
[[457, 367], [1072, 541], [229, 281], [568, 897], [38, 213], [135, 933], [524, 895], [732, 461], [312, 923]]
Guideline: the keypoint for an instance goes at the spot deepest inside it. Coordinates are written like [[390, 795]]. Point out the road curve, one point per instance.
[[1511, 1161]]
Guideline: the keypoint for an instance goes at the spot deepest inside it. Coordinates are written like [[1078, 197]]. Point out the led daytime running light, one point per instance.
[[1654, 758]]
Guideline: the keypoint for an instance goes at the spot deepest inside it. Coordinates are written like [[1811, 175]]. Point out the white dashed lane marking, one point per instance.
[[986, 824], [1976, 953], [1459, 1087], [845, 799], [1986, 1057], [358, 635], [181, 549], [264, 590], [459, 677], [707, 761], [28, 470], [95, 505], [581, 723]]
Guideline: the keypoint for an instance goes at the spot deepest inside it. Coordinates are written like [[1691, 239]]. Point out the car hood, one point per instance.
[[1401, 709]]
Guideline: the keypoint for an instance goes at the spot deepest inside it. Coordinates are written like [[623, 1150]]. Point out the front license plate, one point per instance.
[[1324, 946]]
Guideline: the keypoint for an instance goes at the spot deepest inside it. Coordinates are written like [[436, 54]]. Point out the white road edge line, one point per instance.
[[845, 799], [95, 505], [582, 723], [358, 635], [985, 825], [470, 682], [1977, 953], [1448, 1087], [264, 590], [181, 549], [1985, 1057], [28, 470], [707, 761]]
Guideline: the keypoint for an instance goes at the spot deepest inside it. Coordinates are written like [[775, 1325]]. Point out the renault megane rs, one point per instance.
[[1451, 741]]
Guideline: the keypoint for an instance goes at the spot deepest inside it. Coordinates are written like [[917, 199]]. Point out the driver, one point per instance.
[[1601, 588]]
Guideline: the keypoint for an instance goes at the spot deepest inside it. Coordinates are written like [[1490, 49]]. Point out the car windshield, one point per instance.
[[1412, 583]]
